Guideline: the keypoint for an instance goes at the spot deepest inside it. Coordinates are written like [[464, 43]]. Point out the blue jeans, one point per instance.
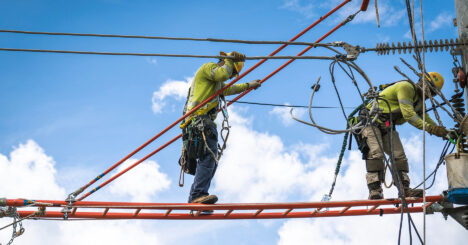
[[206, 166]]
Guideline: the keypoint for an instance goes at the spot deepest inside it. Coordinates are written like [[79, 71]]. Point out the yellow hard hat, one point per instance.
[[238, 65], [437, 79]]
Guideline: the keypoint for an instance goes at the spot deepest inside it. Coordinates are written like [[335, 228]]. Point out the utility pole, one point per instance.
[[461, 21]]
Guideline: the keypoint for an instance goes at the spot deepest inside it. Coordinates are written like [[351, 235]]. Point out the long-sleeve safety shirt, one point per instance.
[[210, 78], [405, 104]]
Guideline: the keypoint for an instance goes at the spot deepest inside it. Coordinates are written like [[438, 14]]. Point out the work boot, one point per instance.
[[406, 183], [374, 185], [208, 199], [375, 191]]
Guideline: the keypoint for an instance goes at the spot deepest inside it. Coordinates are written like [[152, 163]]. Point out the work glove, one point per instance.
[[237, 56], [440, 131], [452, 134], [254, 84]]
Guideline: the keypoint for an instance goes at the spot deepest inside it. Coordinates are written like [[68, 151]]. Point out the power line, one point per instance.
[[168, 55], [283, 105], [162, 38]]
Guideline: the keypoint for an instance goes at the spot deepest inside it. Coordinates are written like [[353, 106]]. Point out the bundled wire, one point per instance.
[[351, 66]]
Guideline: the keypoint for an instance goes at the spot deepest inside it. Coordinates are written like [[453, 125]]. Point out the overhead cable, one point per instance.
[[285, 105], [168, 55], [165, 38]]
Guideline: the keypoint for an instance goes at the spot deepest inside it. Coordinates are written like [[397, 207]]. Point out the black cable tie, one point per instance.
[[316, 87]]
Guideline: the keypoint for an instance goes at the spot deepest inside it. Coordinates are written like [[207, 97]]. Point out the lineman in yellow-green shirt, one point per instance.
[[199, 134], [405, 100]]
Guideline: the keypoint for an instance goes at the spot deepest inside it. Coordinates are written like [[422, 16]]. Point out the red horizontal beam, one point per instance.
[[224, 206], [217, 216]]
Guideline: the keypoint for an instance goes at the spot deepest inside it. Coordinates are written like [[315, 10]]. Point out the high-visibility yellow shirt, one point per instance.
[[405, 104], [210, 78]]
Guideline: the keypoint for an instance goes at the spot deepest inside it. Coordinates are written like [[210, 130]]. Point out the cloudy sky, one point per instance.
[[67, 118]]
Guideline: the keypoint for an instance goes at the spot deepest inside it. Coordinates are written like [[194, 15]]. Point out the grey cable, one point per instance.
[[165, 38], [166, 55], [284, 105], [424, 122], [350, 64]]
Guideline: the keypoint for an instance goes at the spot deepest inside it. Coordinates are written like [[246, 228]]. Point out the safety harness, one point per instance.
[[383, 122], [194, 134]]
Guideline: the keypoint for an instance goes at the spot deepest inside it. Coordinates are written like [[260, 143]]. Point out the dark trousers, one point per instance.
[[206, 166]]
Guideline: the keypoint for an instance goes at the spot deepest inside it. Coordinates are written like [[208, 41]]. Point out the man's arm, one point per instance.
[[405, 97], [218, 73]]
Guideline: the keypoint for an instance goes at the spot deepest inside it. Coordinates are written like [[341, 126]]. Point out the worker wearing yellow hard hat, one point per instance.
[[399, 102], [199, 133]]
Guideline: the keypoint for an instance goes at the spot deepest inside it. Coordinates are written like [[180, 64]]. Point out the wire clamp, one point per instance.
[[352, 52]]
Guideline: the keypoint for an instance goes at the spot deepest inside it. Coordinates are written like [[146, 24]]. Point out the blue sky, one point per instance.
[[66, 118]]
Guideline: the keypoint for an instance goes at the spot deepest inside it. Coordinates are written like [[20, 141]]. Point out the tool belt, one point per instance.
[[383, 126], [193, 143], [361, 141]]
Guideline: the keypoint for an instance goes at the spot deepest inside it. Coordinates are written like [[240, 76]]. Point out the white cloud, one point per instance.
[[389, 14], [140, 183], [413, 148], [283, 114], [305, 9], [444, 19], [171, 88], [29, 173], [367, 230], [107, 232]]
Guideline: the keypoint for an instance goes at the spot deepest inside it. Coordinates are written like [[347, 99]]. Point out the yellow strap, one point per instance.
[[198, 113]]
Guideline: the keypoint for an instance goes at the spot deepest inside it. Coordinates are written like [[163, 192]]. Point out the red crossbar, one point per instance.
[[131, 210]]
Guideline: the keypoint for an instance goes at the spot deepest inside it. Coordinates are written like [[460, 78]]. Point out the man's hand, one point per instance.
[[254, 84], [452, 134], [237, 56], [440, 131]]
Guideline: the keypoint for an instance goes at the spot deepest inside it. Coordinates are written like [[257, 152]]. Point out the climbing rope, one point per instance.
[[342, 152]]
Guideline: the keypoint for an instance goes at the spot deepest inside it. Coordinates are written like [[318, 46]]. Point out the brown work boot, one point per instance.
[[374, 185], [208, 199], [375, 191], [406, 183], [413, 192]]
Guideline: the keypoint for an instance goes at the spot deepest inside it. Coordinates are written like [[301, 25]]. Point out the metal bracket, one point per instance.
[[65, 210], [445, 207], [352, 52], [70, 199], [460, 214]]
